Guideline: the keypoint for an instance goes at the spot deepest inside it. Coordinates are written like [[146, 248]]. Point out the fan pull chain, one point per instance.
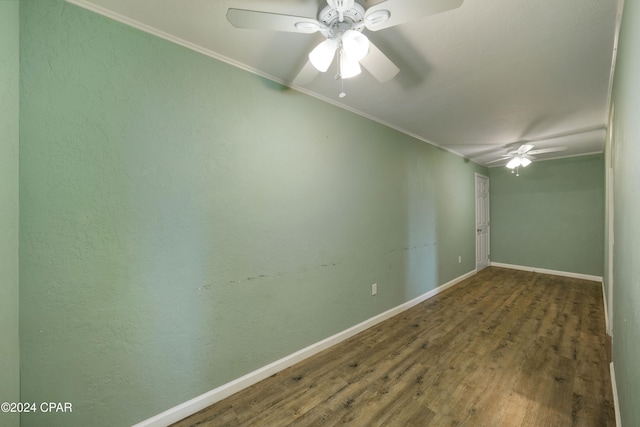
[[342, 93]]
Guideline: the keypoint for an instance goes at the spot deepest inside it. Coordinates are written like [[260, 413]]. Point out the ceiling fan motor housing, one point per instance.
[[338, 21]]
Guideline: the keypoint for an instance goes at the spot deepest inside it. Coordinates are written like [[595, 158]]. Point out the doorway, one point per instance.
[[483, 231]]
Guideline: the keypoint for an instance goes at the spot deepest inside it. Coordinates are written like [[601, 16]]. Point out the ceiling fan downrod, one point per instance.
[[341, 6]]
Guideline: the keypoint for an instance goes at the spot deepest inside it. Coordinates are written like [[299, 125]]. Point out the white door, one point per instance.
[[482, 222]]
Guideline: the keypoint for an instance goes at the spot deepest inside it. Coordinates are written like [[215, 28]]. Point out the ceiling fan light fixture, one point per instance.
[[514, 163], [355, 44], [322, 55], [377, 17], [524, 162], [349, 67]]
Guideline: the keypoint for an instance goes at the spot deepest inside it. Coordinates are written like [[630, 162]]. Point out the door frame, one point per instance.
[[610, 166], [475, 225]]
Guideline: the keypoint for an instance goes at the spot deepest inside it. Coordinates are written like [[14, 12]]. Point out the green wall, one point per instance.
[[551, 216], [9, 137], [184, 222], [626, 179]]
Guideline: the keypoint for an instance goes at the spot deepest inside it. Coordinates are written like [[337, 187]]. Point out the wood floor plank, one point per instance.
[[502, 348]]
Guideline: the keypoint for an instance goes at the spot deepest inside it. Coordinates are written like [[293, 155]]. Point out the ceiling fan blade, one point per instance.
[[524, 148], [547, 150], [306, 75], [379, 65], [496, 160], [252, 19], [395, 12]]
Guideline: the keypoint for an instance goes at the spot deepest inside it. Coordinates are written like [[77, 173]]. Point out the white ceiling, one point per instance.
[[472, 80]]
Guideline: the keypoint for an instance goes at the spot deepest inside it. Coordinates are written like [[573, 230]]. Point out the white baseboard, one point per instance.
[[198, 403], [614, 387], [545, 271]]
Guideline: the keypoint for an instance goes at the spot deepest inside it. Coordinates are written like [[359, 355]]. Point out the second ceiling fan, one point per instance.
[[342, 23], [523, 155]]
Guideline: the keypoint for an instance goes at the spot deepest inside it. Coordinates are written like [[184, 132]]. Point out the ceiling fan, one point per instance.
[[342, 23], [523, 155]]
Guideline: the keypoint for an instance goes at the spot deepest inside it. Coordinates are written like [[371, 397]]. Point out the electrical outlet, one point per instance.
[[374, 289], [459, 259]]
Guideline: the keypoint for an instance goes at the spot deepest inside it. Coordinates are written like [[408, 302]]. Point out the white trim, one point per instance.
[[610, 214], [88, 5], [614, 388], [545, 271], [198, 403], [614, 55], [606, 310]]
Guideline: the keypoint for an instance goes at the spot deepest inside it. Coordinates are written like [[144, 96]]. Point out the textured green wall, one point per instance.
[[184, 222], [551, 216], [9, 137], [626, 256]]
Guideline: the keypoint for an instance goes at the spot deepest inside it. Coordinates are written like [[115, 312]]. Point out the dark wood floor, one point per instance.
[[503, 348]]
